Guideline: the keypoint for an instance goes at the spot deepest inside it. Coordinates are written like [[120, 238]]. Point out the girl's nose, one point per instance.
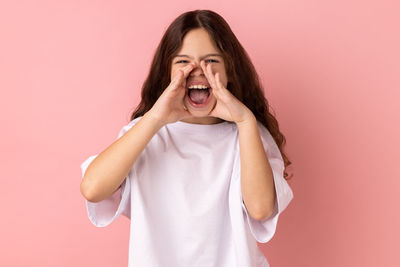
[[196, 68]]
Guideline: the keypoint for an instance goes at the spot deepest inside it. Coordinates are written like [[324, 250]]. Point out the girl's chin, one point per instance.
[[199, 114]]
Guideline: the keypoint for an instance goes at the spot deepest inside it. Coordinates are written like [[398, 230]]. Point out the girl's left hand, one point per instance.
[[228, 107]]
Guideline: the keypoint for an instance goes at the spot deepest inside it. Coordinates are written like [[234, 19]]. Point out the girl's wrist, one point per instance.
[[156, 121], [249, 118]]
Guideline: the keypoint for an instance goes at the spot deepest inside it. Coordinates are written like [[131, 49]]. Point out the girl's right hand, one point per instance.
[[169, 106]]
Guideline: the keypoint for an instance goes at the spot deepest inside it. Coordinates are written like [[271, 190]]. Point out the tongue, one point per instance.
[[198, 96]]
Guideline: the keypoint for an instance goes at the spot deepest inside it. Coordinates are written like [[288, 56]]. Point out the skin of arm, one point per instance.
[[257, 183], [108, 170]]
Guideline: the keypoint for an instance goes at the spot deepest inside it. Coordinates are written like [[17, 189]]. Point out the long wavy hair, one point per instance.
[[244, 81]]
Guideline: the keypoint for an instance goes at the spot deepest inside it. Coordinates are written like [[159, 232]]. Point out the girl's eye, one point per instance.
[[208, 60], [212, 60]]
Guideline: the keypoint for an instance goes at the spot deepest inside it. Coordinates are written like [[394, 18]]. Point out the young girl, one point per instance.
[[197, 169]]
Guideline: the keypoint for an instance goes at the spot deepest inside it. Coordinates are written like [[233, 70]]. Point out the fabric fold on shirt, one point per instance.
[[104, 212]]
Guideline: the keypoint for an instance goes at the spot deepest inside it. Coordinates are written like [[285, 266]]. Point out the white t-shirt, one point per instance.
[[183, 197]]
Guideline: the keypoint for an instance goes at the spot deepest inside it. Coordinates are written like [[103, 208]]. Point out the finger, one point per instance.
[[180, 75], [210, 76], [186, 70], [210, 79], [222, 91], [204, 68], [213, 82], [180, 69], [175, 81], [218, 81], [177, 78]]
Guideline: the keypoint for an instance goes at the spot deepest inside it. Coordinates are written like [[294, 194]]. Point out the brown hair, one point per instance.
[[244, 81]]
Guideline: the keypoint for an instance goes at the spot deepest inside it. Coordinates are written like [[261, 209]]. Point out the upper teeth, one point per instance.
[[198, 87]]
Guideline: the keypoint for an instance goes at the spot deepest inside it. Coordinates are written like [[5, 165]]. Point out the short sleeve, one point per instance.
[[104, 212], [264, 230]]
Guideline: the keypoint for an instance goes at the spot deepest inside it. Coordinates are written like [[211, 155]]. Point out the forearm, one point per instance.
[[257, 183], [108, 170]]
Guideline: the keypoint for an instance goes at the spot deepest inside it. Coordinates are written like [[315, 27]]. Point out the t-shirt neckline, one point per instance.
[[202, 128]]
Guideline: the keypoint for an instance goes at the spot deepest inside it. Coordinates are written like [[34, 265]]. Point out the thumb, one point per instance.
[[177, 80]]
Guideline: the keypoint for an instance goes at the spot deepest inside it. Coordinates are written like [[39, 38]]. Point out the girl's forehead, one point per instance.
[[198, 39]]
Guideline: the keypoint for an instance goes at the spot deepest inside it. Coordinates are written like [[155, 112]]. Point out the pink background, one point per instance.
[[71, 73]]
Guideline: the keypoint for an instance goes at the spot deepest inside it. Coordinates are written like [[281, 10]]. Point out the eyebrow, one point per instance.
[[208, 55]]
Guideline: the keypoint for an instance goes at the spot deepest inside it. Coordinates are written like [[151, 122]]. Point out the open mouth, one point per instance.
[[199, 96]]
